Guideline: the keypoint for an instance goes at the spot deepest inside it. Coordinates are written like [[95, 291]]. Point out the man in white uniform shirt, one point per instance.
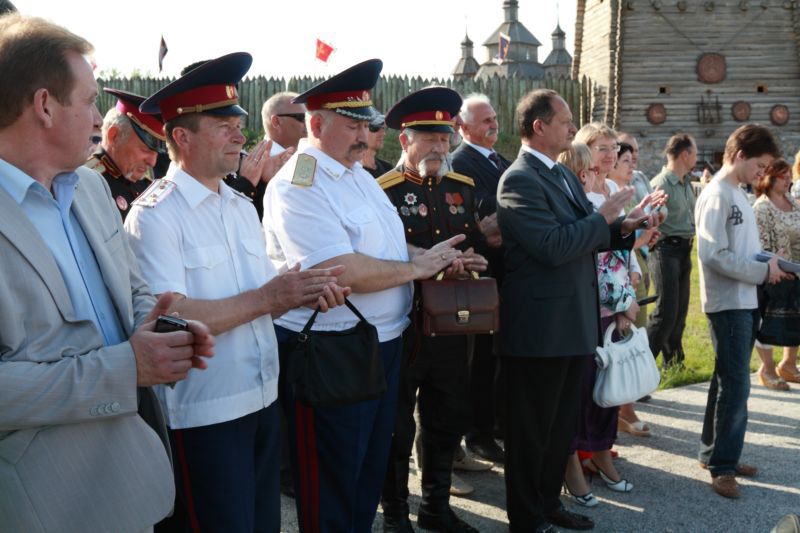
[[323, 209], [201, 240]]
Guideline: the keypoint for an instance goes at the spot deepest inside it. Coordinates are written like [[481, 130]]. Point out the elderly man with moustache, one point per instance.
[[324, 209], [127, 154], [434, 205], [201, 240], [78, 351]]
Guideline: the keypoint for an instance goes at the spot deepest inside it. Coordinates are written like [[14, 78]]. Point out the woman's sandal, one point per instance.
[[587, 500], [774, 383], [637, 429], [623, 485]]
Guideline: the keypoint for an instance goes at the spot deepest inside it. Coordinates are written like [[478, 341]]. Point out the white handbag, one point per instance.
[[626, 369]]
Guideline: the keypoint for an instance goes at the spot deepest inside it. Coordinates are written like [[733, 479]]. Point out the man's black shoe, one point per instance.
[[397, 524], [569, 520], [487, 448], [444, 522]]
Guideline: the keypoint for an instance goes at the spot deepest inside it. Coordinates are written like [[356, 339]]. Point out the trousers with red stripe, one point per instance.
[[339, 454]]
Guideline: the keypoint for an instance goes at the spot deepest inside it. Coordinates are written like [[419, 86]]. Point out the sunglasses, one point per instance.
[[299, 117], [376, 128]]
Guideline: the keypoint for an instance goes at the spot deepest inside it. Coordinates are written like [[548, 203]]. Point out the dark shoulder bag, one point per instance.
[[329, 368]]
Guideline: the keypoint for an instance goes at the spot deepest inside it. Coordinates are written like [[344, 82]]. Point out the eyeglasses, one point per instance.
[[376, 128], [299, 117], [606, 149]]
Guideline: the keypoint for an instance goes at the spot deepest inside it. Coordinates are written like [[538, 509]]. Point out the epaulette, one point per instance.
[[155, 193], [305, 166], [460, 177], [95, 164], [390, 179]]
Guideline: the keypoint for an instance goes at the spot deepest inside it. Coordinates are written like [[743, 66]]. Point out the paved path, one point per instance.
[[671, 494]]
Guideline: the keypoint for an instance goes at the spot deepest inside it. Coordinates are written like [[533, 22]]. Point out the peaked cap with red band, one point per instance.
[[149, 128], [209, 88], [347, 93], [430, 109]]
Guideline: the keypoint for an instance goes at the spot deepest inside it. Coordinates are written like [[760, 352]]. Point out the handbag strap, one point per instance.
[[310, 323]]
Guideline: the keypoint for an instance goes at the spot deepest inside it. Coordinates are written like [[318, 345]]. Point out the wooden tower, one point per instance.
[[700, 66]]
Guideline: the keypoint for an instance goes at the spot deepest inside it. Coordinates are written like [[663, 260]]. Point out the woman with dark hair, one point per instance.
[[778, 219]]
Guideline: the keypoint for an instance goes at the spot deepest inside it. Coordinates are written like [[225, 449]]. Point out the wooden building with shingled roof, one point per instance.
[[699, 66]]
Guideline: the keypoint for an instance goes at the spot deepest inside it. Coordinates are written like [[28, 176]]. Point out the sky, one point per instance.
[[413, 37]]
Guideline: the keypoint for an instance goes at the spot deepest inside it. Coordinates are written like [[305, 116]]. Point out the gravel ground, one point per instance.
[[671, 493]]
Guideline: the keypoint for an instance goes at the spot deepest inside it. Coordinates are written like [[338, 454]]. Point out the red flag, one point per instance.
[[162, 51], [324, 50]]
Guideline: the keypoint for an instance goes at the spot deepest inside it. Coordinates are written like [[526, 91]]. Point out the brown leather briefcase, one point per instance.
[[459, 306]]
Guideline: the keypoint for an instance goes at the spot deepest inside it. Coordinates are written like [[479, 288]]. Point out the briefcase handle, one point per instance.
[[440, 275], [304, 334]]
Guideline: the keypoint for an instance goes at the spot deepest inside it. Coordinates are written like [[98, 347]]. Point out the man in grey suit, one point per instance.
[[549, 307], [77, 346]]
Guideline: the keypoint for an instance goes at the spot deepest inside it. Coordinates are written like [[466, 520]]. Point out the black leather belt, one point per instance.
[[678, 241]]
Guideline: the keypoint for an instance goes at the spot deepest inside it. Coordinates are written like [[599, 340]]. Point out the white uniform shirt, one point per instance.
[[343, 211], [210, 246]]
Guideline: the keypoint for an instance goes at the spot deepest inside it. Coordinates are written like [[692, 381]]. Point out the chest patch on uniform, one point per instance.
[[155, 193], [304, 170]]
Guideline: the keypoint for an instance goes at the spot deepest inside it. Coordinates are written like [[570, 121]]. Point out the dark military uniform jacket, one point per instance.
[[123, 190], [431, 212]]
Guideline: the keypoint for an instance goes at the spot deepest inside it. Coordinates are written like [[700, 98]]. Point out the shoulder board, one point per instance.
[[460, 177], [95, 164], [390, 179], [155, 193], [305, 166]]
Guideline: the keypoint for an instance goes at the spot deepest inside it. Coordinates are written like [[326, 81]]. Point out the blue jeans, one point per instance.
[[732, 334]]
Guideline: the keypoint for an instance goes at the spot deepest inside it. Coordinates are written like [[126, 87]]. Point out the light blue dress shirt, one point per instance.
[[53, 218]]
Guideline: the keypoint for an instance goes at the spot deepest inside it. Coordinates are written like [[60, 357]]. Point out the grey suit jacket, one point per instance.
[[549, 303], [74, 453]]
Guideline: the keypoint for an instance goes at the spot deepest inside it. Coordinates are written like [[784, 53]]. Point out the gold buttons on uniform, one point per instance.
[[409, 230], [438, 232]]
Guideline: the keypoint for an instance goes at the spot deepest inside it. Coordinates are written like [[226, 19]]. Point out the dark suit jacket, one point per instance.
[[549, 300], [470, 162]]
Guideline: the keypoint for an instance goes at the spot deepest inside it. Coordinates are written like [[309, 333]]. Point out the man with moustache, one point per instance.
[[476, 158], [323, 209], [131, 142], [549, 307], [434, 205], [201, 240], [78, 351]]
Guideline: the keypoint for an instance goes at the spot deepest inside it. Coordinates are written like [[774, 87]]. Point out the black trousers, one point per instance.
[[671, 271], [541, 420], [485, 392], [436, 377]]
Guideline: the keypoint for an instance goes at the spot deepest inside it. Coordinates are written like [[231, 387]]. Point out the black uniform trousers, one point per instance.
[[434, 372], [542, 399], [486, 390]]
